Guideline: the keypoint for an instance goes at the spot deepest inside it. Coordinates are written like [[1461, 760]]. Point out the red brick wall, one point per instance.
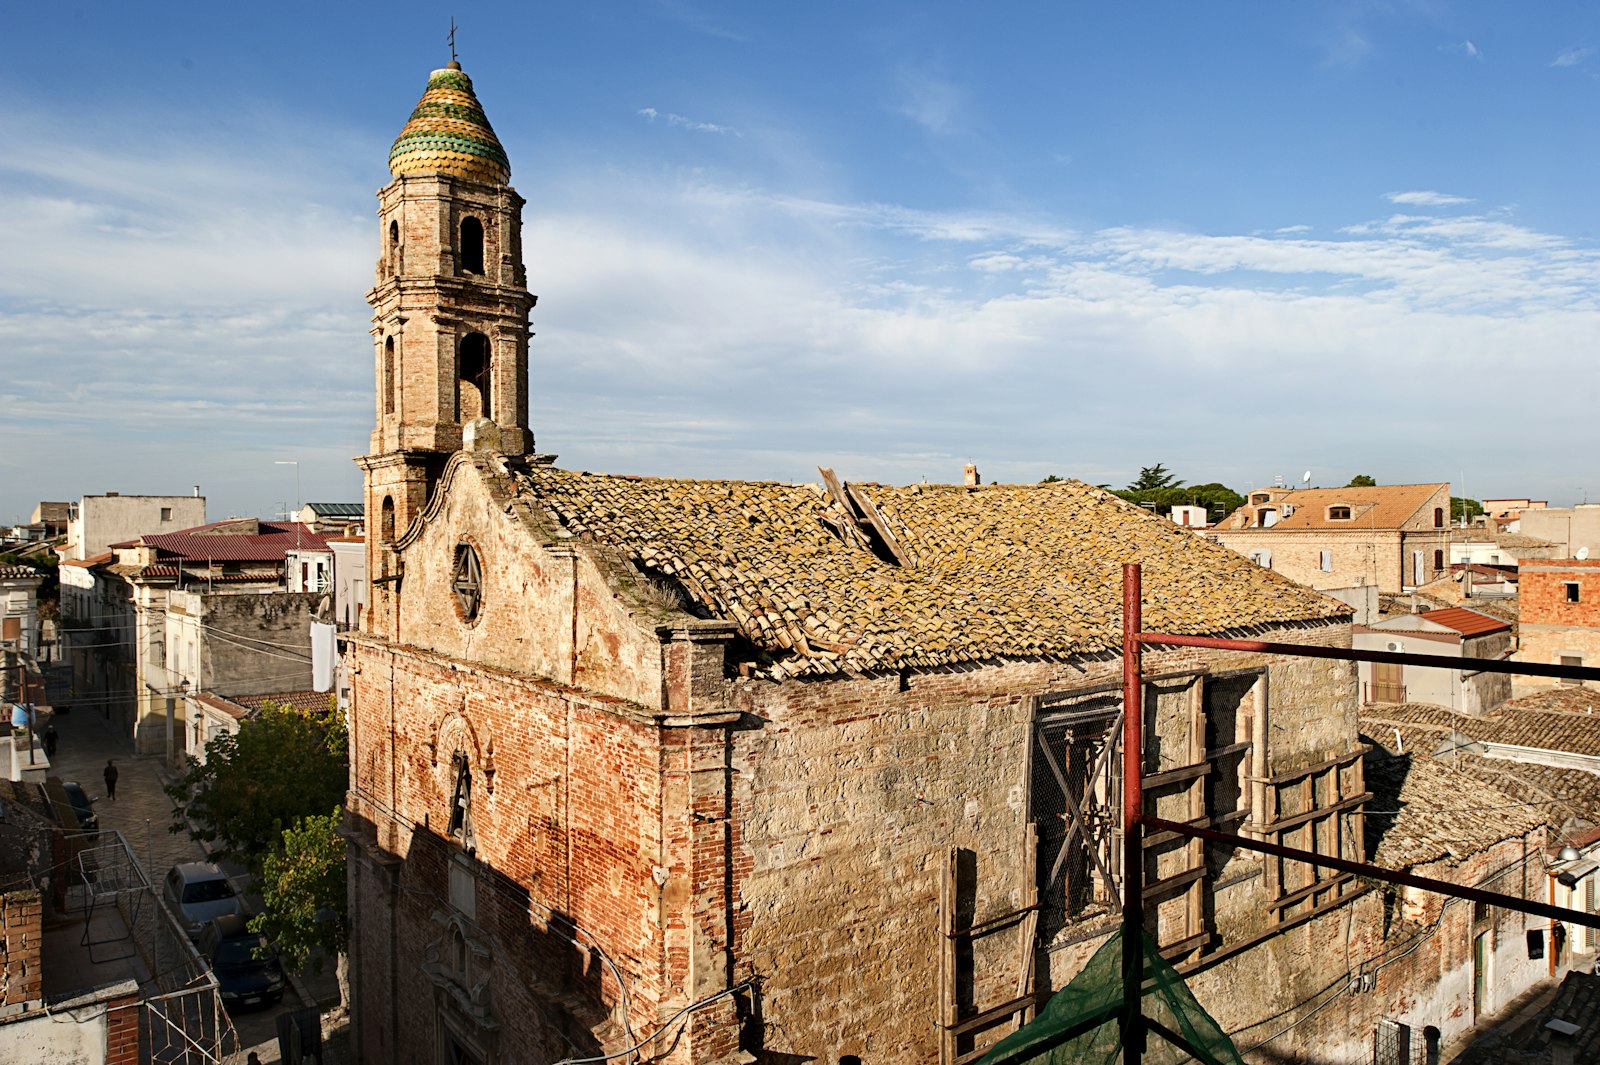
[[1541, 592], [122, 1031], [22, 925]]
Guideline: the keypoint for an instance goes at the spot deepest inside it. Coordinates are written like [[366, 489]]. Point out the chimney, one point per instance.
[[197, 491], [970, 475]]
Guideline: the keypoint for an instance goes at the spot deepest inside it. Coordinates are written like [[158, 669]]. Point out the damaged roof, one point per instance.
[[940, 574]]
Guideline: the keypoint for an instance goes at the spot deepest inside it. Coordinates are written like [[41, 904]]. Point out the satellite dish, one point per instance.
[[1305, 478], [1583, 553]]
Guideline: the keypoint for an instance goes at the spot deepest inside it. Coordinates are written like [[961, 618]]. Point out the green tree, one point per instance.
[[1362, 480], [1153, 479], [281, 766], [303, 886], [1459, 506], [1052, 479]]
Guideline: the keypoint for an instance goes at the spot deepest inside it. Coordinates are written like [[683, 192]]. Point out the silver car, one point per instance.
[[196, 892]]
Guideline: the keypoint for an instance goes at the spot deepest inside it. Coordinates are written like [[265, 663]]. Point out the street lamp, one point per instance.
[[296, 465], [296, 515]]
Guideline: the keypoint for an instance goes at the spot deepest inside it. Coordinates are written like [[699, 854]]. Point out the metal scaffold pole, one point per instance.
[[1133, 1026]]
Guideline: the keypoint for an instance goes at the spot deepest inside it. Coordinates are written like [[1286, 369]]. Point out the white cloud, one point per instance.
[[177, 328], [1571, 57], [930, 100], [1426, 199], [686, 123]]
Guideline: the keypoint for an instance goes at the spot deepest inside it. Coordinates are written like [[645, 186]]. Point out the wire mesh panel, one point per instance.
[[1076, 792]]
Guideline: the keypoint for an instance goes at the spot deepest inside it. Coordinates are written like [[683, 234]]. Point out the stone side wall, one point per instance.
[[850, 793]]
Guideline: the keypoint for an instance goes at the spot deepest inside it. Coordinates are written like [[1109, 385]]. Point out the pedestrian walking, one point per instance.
[[111, 779], [50, 741]]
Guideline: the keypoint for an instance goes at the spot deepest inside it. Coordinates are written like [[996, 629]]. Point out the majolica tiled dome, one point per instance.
[[448, 133]]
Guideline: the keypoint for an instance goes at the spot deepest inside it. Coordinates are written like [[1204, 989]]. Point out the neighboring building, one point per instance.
[[220, 588], [1575, 529], [1453, 632], [51, 518], [210, 715], [1504, 515], [97, 522], [1393, 536], [1481, 547], [332, 517], [19, 608], [1190, 517], [1559, 607], [730, 756], [1480, 780]]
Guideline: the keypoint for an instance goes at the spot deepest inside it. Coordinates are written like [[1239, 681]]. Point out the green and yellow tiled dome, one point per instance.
[[448, 133]]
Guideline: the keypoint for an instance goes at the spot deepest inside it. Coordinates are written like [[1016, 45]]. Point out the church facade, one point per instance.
[[725, 771]]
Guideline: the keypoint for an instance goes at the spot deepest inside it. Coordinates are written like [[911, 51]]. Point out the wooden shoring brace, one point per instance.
[[947, 958], [1076, 821], [1029, 930]]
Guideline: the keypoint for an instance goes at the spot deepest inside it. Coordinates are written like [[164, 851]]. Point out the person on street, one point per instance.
[[111, 779], [50, 741]]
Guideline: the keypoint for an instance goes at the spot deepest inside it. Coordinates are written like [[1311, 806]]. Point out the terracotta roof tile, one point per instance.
[[999, 571], [1381, 507]]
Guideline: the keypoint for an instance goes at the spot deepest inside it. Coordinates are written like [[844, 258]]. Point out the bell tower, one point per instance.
[[449, 308]]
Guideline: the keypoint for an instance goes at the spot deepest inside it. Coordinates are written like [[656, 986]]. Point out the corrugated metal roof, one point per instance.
[[200, 544], [1467, 622]]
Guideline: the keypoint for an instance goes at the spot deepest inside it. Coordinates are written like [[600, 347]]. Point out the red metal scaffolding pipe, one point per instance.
[[1132, 1021], [1352, 654]]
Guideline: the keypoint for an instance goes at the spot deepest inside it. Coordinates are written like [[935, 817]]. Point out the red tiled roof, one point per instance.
[[1466, 622]]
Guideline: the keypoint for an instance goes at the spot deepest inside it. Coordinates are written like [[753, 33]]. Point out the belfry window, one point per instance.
[[466, 583], [471, 246], [473, 387], [388, 376], [386, 520], [394, 247], [461, 804]]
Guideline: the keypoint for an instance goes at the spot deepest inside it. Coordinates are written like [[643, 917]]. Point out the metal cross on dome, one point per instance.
[[453, 57]]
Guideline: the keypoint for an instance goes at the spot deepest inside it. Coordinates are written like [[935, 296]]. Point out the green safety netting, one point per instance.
[[1080, 1025]]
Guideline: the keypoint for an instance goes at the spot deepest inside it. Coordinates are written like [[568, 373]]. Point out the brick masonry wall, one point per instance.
[[568, 829], [22, 925], [1549, 626]]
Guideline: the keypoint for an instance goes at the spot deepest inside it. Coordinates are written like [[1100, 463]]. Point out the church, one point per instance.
[[650, 769]]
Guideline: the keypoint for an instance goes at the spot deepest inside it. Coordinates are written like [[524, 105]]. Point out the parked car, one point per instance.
[[197, 892], [83, 806], [246, 966]]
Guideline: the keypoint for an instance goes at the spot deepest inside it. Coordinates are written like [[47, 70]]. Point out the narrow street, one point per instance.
[[142, 812]]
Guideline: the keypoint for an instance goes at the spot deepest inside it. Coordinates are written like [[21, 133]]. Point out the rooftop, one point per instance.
[[1379, 507], [230, 541], [953, 575]]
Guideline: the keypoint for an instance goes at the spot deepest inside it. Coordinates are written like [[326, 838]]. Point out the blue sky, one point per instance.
[[1243, 240]]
